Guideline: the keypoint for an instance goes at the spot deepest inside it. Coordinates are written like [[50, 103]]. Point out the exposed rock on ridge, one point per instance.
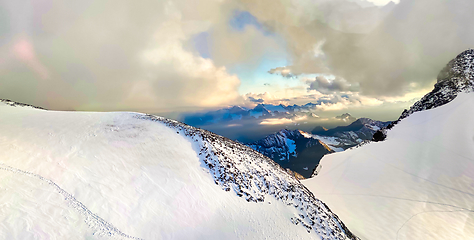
[[456, 77], [255, 177]]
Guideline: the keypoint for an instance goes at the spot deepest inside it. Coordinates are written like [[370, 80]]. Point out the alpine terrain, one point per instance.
[[418, 182], [301, 151], [261, 111], [86, 175]]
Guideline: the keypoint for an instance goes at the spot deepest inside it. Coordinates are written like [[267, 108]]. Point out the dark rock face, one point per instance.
[[379, 136], [291, 149], [17, 104], [319, 130], [456, 77]]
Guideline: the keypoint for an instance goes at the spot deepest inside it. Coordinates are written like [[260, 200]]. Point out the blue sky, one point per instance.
[[254, 78]]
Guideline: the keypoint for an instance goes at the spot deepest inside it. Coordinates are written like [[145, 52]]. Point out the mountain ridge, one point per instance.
[[301, 151], [456, 77], [417, 183], [234, 168]]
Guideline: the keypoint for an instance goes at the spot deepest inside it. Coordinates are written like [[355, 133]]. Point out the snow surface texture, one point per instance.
[[71, 175], [255, 177], [417, 184]]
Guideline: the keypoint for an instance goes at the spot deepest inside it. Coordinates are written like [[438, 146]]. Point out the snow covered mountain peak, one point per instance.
[[456, 77], [346, 117]]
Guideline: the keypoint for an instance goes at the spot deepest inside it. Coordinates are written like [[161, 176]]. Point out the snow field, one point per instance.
[[417, 184], [132, 178]]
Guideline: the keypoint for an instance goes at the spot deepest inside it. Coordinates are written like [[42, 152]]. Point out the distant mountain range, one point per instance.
[[261, 111], [301, 151]]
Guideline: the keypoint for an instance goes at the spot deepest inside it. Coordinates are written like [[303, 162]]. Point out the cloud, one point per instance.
[[244, 46], [324, 85], [383, 53], [276, 121], [121, 56], [283, 71], [138, 56], [337, 101], [265, 97], [256, 100]]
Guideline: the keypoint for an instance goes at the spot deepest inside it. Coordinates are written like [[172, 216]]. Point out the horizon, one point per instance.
[[367, 58], [237, 119]]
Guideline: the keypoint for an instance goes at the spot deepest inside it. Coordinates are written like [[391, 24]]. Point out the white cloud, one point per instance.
[[118, 56], [383, 2], [276, 121]]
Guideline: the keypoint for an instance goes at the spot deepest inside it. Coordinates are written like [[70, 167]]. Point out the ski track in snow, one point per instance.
[[99, 225], [422, 178], [461, 209], [408, 220]]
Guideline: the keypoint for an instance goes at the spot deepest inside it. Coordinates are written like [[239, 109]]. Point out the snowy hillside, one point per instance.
[[76, 175], [419, 182]]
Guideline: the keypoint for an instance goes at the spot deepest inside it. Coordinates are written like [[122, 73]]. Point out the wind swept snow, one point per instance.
[[417, 184], [76, 175]]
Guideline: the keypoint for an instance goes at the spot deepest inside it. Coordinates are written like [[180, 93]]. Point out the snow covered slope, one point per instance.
[[75, 175], [419, 182]]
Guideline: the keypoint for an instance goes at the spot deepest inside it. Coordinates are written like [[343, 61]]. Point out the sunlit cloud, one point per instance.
[[283, 71], [234, 125], [276, 121], [175, 55]]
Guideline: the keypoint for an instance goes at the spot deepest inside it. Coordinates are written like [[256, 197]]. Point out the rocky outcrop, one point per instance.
[[456, 77]]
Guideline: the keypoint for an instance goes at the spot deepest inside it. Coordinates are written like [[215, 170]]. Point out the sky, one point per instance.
[[364, 57]]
